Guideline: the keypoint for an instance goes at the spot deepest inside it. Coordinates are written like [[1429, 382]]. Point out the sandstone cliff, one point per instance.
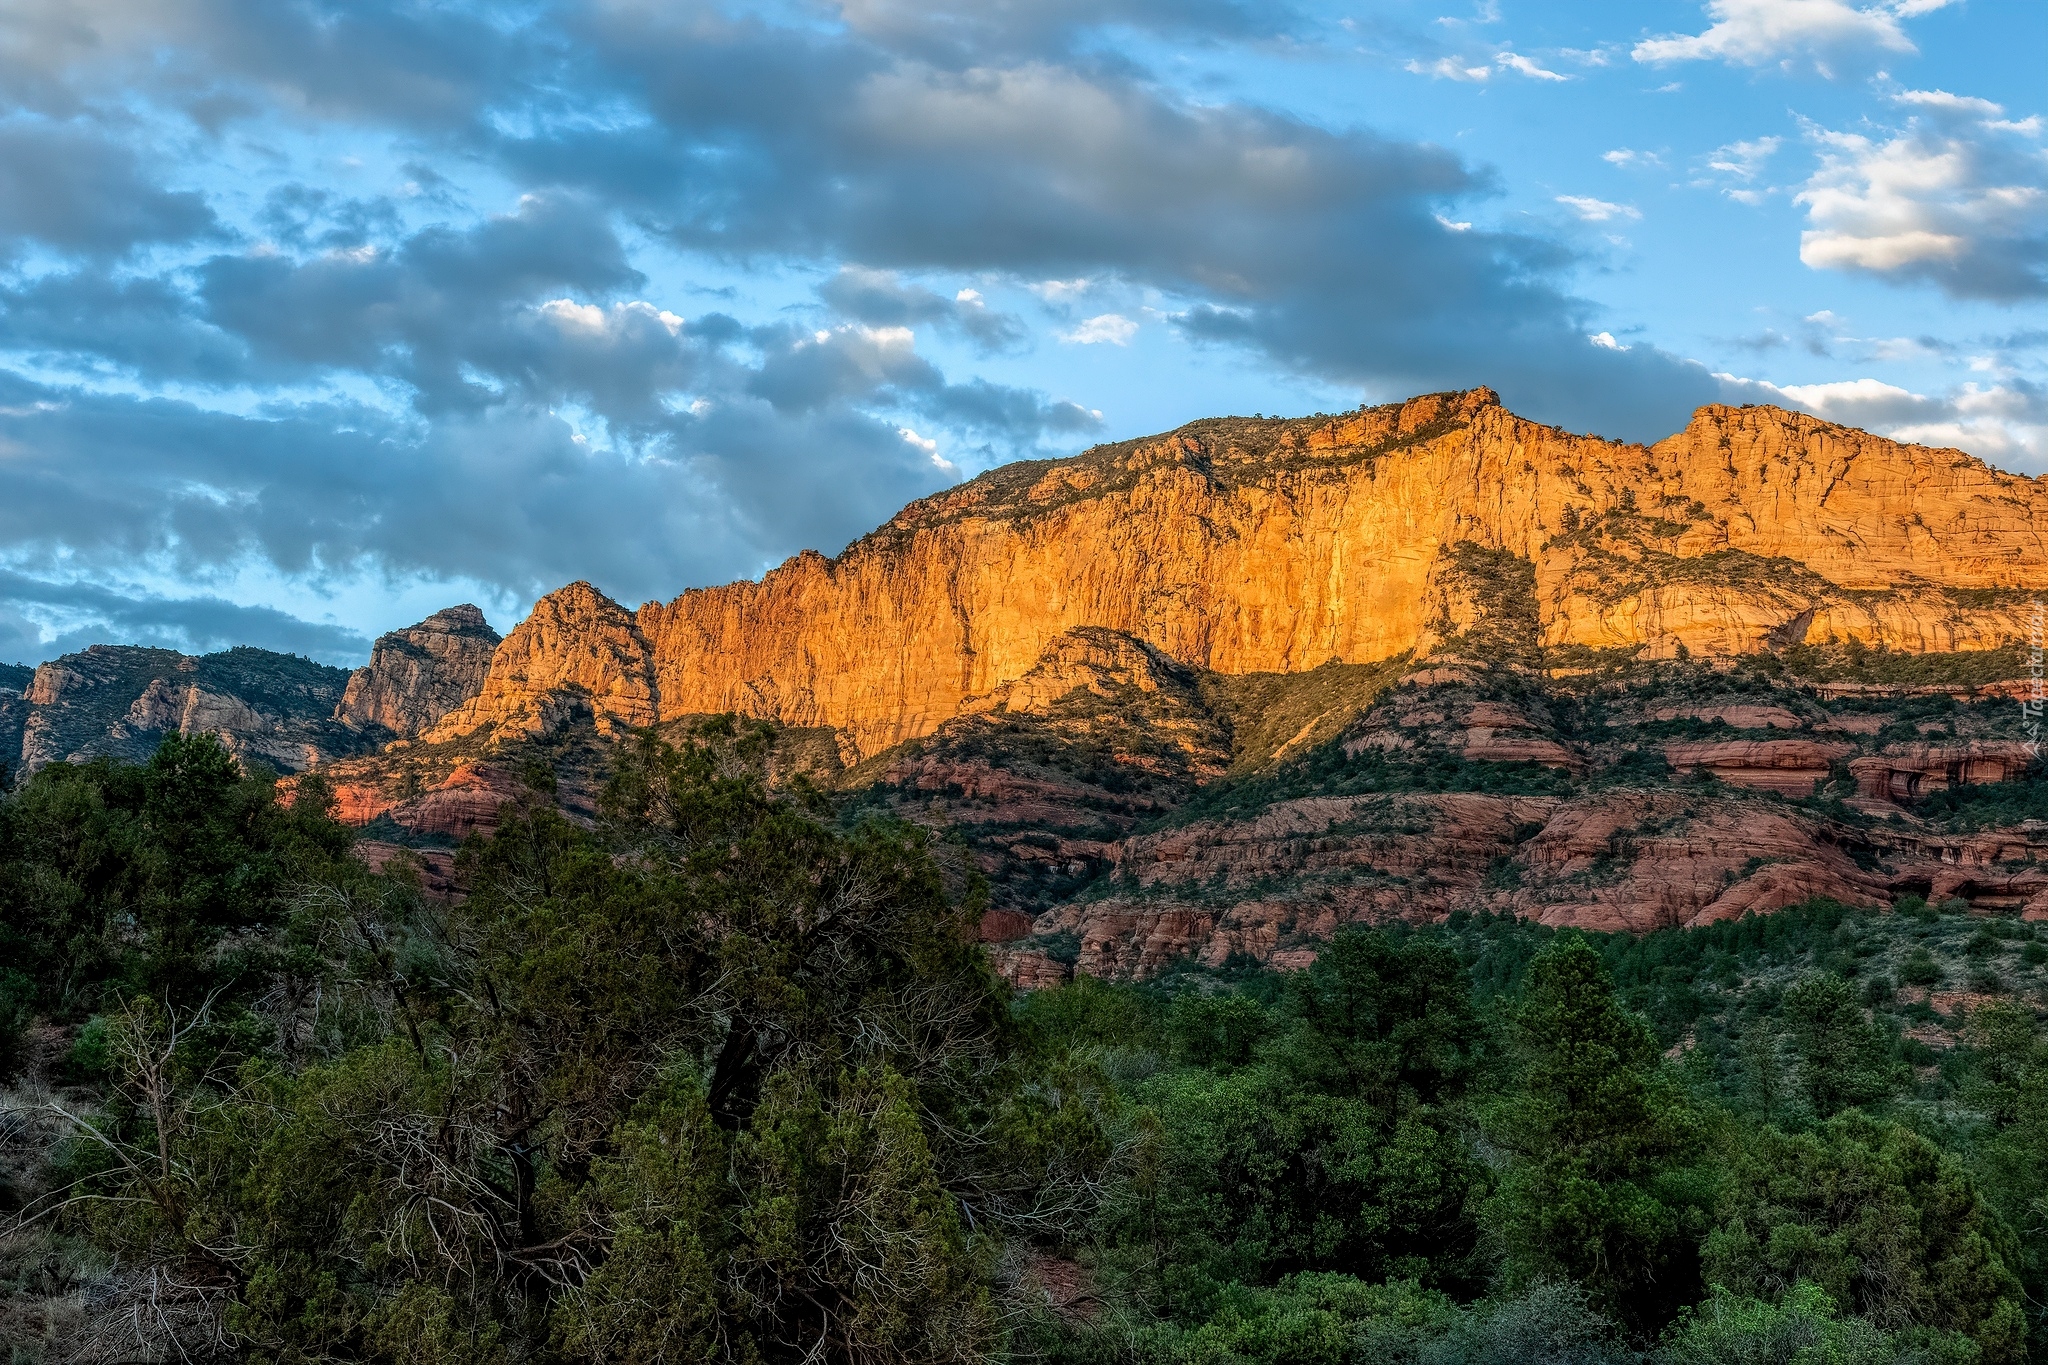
[[1442, 525], [418, 675]]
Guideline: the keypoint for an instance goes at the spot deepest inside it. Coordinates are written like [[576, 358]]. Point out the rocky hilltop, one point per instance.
[[1276, 546], [418, 675], [279, 709]]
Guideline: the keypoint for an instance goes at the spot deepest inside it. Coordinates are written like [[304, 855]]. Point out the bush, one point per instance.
[[1802, 1328], [1920, 969]]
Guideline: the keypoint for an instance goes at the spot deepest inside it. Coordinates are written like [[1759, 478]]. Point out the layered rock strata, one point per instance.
[[1399, 820], [1445, 524]]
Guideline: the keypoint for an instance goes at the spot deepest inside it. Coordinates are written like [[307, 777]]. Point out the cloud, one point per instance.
[[1765, 32], [2005, 424], [1597, 210], [72, 188], [1328, 250], [376, 375], [1743, 160], [1113, 328], [43, 618], [1509, 61], [1627, 157], [1449, 69], [1958, 198], [965, 34], [880, 298]]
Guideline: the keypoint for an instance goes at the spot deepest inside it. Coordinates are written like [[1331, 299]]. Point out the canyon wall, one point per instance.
[[1273, 546]]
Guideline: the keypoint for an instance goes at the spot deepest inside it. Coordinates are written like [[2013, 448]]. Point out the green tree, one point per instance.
[[1321, 1135], [716, 1081], [1843, 1057], [1884, 1222], [1600, 1189]]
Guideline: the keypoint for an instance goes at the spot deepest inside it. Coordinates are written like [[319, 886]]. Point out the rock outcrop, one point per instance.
[[578, 651], [1912, 772], [119, 701], [418, 675], [1796, 767], [1441, 525]]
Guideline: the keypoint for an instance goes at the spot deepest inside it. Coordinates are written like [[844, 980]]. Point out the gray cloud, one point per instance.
[[95, 614], [432, 66], [1958, 198], [880, 299], [95, 321], [74, 189], [506, 402], [945, 30], [1328, 250]]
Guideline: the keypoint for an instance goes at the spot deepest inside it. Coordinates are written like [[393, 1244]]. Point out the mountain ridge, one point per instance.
[[1277, 545]]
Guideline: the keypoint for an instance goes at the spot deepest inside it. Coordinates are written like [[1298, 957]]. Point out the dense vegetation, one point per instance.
[[724, 1077]]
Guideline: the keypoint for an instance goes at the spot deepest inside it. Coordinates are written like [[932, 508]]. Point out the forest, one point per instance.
[[727, 1076]]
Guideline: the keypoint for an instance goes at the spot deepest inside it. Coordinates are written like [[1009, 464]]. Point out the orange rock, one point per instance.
[[1795, 767], [1028, 970], [1276, 546], [1004, 926], [1905, 774], [435, 866]]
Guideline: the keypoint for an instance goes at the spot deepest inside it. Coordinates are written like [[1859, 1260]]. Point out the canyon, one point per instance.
[[1204, 697]]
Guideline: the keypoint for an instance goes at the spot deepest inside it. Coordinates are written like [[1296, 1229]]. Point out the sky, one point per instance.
[[318, 317]]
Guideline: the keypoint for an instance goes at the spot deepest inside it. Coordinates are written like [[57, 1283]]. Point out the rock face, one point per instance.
[[1796, 767], [119, 701], [578, 651], [417, 676], [1441, 525], [1215, 694], [1915, 771]]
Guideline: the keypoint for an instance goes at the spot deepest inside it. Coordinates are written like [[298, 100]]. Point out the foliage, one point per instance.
[[728, 1077], [1600, 1193], [1880, 1219]]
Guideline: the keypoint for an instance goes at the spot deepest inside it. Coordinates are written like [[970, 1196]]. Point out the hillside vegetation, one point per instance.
[[722, 1075]]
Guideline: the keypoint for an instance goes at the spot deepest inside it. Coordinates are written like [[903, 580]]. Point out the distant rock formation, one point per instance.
[[418, 675], [120, 700], [1444, 526], [286, 712]]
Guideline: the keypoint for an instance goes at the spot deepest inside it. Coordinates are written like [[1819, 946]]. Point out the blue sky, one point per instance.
[[317, 317]]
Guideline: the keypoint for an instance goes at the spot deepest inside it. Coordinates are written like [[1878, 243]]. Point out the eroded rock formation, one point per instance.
[[418, 675], [119, 701], [1441, 525]]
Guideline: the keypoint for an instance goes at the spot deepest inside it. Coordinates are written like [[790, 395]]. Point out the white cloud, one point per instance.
[[1453, 226], [1113, 328], [567, 313], [2003, 425], [1597, 210], [1061, 291], [1606, 341], [930, 448], [1629, 157], [1510, 61], [1450, 69], [1957, 197], [1743, 160], [1763, 32]]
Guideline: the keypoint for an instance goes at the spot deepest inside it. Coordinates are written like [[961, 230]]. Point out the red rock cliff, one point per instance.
[[1275, 546]]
